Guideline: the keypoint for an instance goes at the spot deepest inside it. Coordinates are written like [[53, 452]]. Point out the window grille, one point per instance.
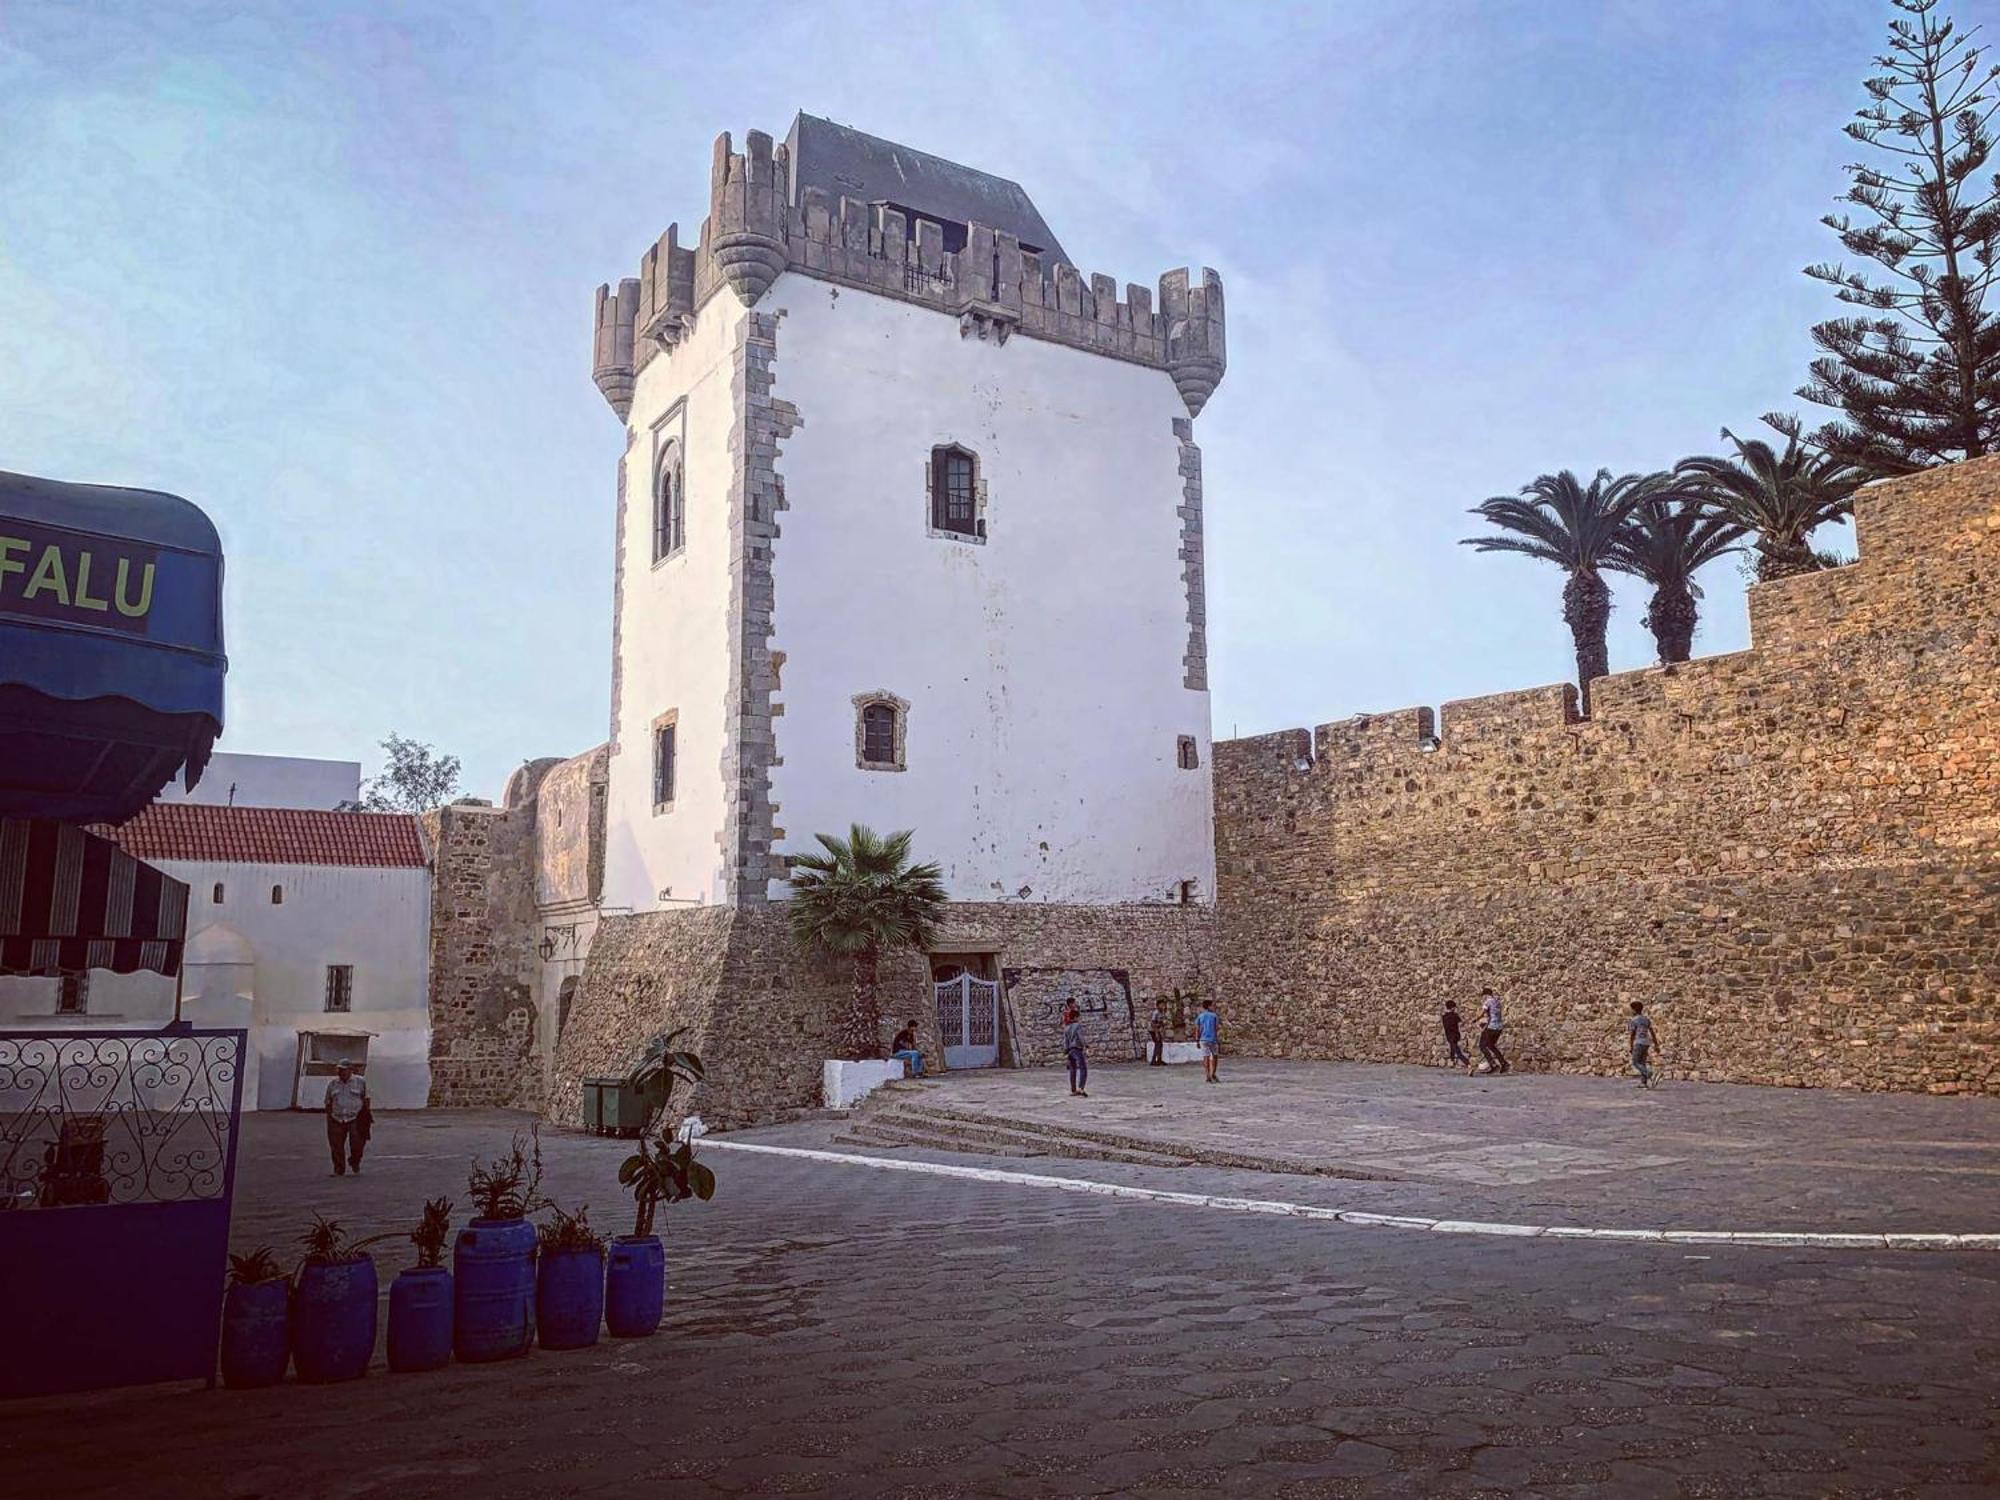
[[340, 987], [73, 995], [878, 734]]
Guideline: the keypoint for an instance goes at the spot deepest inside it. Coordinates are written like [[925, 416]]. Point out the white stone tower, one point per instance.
[[910, 535]]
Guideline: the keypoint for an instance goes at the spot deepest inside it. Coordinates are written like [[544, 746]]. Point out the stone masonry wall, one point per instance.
[[1792, 853], [761, 1016], [483, 934]]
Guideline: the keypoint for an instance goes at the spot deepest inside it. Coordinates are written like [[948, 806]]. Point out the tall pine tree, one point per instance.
[[1916, 375]]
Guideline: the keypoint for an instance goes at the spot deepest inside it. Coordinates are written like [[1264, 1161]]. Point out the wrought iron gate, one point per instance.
[[117, 1167], [969, 1018]]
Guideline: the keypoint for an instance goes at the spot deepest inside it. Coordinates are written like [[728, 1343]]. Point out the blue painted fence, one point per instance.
[[117, 1169]]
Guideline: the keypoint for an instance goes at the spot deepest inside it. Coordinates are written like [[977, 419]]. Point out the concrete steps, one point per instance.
[[907, 1126], [941, 1121]]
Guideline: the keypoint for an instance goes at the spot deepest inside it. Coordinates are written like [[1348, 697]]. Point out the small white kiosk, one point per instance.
[[320, 1055]]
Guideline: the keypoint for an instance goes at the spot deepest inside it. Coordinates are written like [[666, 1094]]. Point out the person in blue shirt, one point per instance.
[[1208, 1027]]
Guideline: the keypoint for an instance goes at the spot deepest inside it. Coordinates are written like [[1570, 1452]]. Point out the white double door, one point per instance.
[[969, 1019]]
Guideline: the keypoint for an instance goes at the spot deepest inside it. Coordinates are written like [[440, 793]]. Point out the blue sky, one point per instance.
[[328, 272]]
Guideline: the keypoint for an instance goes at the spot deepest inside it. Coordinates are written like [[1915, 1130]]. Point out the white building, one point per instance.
[[272, 781], [301, 923], [909, 535]]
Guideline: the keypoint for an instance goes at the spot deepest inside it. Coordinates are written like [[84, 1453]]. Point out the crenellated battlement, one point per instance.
[[988, 279], [1786, 852]]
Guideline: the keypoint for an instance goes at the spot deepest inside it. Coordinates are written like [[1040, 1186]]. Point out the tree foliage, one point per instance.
[[1915, 372], [414, 779], [1666, 539], [1780, 498], [1559, 519], [861, 898]]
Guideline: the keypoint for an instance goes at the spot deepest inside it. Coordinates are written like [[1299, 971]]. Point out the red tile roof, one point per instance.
[[271, 836]]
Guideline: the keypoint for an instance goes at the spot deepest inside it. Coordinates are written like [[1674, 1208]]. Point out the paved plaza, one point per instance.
[[837, 1330]]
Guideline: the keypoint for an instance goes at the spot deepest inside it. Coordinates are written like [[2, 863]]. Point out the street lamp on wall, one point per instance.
[[547, 948]]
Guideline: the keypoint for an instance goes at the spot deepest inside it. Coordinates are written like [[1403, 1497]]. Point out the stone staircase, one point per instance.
[[917, 1113]]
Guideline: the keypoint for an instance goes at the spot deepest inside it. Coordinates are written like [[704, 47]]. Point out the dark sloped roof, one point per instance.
[[271, 836], [843, 161]]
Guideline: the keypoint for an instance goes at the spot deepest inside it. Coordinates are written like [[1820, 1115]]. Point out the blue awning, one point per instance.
[[111, 658]]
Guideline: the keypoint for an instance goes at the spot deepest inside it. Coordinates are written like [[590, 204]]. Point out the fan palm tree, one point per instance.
[[1667, 538], [859, 899], [1576, 526], [1781, 498]]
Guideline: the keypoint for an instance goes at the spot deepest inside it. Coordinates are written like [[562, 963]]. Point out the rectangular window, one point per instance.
[[955, 491], [663, 765], [340, 987], [73, 995], [1188, 753]]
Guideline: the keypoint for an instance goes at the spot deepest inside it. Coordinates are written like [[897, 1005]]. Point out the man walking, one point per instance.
[[1079, 1065], [346, 1136], [1640, 1030], [1450, 1020], [1158, 1030], [1489, 1034], [1208, 1027]]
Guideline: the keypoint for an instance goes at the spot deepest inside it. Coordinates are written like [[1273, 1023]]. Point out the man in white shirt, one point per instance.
[[1489, 1033], [346, 1130]]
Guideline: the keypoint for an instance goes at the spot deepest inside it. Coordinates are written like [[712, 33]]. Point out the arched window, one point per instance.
[[955, 491], [216, 895], [1188, 753], [277, 895], [669, 504], [880, 721]]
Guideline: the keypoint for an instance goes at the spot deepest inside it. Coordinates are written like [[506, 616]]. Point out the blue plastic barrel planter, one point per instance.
[[493, 1292], [256, 1333], [569, 1298], [420, 1319], [636, 1289], [334, 1319]]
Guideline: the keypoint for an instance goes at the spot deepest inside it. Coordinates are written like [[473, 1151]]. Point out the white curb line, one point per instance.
[[1789, 1238]]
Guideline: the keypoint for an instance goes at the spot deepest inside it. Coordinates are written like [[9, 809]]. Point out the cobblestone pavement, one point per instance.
[[841, 1331], [1544, 1146]]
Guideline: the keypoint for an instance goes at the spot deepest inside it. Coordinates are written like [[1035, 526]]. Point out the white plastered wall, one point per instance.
[[674, 628], [375, 919], [1044, 668]]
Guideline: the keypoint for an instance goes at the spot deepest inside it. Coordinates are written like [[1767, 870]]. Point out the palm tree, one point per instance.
[[1667, 538], [858, 900], [1576, 527], [1780, 497]]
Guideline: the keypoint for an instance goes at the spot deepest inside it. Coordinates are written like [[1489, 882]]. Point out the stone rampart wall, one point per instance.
[[1792, 853]]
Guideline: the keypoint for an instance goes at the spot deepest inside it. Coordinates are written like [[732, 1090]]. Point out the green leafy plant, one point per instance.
[[567, 1232], [663, 1170], [663, 1066], [256, 1268], [431, 1232], [327, 1244], [858, 900], [510, 1185]]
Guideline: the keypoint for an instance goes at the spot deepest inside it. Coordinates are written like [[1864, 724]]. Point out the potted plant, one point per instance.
[[333, 1305], [569, 1283], [256, 1321], [662, 1170], [420, 1297], [636, 1287], [493, 1262]]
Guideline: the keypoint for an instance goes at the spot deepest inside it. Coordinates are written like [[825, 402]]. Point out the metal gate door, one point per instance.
[[969, 1018]]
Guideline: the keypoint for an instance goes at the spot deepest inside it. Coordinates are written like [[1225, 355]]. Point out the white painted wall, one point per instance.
[[674, 629], [1043, 668], [272, 781], [377, 920]]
